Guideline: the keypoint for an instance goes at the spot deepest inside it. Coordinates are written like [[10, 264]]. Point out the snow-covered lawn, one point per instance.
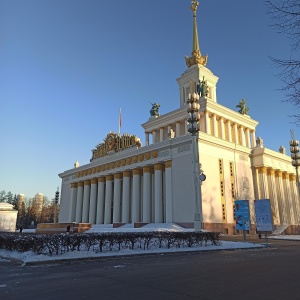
[[27, 257]]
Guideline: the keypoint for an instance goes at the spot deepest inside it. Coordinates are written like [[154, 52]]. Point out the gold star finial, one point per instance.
[[194, 7]]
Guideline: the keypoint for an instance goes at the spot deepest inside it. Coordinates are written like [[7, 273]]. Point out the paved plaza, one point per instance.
[[268, 273]]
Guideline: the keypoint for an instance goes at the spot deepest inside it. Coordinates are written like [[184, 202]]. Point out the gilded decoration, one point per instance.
[[89, 171], [74, 185], [112, 165], [262, 170], [107, 166], [158, 167], [94, 170], [98, 169], [123, 162], [87, 182], [154, 154], [103, 168], [109, 178], [278, 173], [126, 174], [292, 177], [118, 164], [147, 155], [147, 169], [78, 174], [141, 157], [114, 142], [94, 181], [284, 175], [101, 179], [135, 159], [129, 161], [80, 184], [136, 172], [168, 164], [117, 176]]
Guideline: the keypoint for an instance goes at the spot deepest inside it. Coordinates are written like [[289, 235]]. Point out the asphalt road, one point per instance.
[[269, 273]]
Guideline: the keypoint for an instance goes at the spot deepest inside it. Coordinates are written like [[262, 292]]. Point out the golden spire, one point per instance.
[[196, 58]]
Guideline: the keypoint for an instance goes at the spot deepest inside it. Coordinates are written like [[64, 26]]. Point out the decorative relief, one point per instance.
[[98, 169], [117, 176], [245, 183], [115, 142], [129, 161], [78, 174], [94, 170], [118, 164], [103, 168], [184, 148], [147, 156], [66, 179], [87, 182], [159, 167], [109, 178], [135, 159], [107, 166], [112, 165], [163, 153], [147, 169], [74, 185], [243, 157], [80, 184], [154, 154], [136, 172], [123, 162], [141, 157], [126, 174]]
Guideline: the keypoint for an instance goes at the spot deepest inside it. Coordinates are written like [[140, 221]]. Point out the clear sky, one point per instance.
[[67, 66]]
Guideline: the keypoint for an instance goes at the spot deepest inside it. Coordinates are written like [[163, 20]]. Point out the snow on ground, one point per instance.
[[28, 257]]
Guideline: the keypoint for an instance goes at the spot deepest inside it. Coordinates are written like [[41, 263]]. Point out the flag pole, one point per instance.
[[120, 120]]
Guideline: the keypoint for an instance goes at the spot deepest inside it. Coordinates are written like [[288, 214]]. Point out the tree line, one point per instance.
[[31, 213]]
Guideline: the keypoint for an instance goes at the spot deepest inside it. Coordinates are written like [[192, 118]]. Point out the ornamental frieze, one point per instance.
[[114, 142]]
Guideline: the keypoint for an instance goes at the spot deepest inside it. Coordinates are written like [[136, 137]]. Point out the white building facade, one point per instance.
[[155, 183]]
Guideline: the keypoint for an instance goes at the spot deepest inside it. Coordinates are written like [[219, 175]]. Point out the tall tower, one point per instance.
[[197, 71]]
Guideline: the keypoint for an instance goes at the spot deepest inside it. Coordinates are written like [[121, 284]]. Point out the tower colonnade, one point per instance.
[[141, 194], [211, 123]]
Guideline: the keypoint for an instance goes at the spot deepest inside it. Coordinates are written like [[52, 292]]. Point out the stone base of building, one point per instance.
[[52, 228]]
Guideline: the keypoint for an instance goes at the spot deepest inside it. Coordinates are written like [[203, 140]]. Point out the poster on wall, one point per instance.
[[242, 214], [263, 215]]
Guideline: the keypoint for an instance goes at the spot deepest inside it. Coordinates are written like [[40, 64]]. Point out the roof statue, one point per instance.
[[202, 88], [243, 108], [196, 57], [154, 110]]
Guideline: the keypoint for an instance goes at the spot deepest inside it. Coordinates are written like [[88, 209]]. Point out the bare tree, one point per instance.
[[286, 19]]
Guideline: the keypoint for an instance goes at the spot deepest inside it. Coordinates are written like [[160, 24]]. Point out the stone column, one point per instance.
[[207, 122], [79, 202], [177, 133], [273, 196], [295, 197], [215, 126], [153, 136], [136, 195], [228, 125], [281, 198], [100, 200], [108, 199], [158, 190], [147, 194], [126, 197], [86, 201], [242, 134], [222, 131], [161, 134], [185, 128], [247, 134], [236, 136], [73, 199], [147, 138], [288, 198], [117, 198], [93, 201], [263, 183], [169, 198], [253, 138]]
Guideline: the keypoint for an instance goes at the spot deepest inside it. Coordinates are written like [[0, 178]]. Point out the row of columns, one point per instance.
[[213, 125], [137, 195], [281, 188]]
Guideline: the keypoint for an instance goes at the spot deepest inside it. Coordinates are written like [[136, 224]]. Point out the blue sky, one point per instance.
[[67, 66]]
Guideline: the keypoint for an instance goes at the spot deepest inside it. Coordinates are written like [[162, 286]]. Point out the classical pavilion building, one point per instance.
[[126, 182]]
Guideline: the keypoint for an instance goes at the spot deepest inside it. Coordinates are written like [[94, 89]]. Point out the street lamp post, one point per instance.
[[193, 126], [295, 157]]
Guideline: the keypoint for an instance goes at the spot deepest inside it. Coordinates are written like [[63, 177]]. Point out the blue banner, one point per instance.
[[242, 214]]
